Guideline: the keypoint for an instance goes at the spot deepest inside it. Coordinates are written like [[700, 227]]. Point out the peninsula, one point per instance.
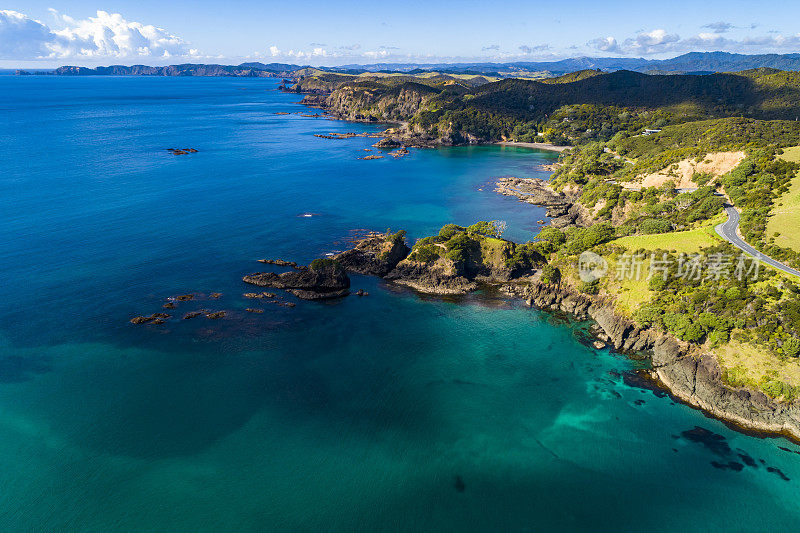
[[653, 163]]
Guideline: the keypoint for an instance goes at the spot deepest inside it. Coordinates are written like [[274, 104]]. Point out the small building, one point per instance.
[[650, 132]]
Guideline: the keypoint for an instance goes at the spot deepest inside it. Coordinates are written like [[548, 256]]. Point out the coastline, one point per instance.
[[683, 371], [693, 378]]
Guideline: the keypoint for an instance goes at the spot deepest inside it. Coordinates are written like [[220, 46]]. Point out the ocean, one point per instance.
[[389, 412]]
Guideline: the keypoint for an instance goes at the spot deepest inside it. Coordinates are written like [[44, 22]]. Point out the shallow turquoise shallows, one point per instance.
[[390, 412]]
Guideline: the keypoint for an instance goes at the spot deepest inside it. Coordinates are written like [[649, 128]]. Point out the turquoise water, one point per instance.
[[390, 412]]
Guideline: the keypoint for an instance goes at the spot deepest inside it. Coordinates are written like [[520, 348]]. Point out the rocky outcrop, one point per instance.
[[329, 281], [437, 277], [697, 380], [375, 255], [563, 209], [685, 372]]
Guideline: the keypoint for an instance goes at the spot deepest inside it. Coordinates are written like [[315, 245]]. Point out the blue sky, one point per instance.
[[47, 33]]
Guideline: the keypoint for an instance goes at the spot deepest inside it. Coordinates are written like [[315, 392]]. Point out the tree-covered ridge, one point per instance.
[[575, 108]]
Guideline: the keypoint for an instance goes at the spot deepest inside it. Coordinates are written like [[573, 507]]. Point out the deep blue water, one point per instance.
[[388, 412]]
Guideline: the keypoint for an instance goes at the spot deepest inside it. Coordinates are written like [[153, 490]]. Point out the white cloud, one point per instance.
[[22, 37], [108, 35], [661, 42], [606, 44], [653, 42]]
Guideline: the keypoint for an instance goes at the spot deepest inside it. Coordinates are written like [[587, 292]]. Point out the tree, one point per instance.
[[791, 346]]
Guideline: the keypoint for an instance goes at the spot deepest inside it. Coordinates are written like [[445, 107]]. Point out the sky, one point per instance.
[[50, 33]]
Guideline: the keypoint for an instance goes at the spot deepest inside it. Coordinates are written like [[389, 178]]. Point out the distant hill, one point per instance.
[[693, 62], [575, 108], [252, 70]]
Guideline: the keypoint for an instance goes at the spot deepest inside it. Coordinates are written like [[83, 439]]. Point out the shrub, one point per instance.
[[590, 287], [791, 347], [550, 274], [525, 256], [425, 253], [397, 238], [448, 230], [651, 226], [322, 263]]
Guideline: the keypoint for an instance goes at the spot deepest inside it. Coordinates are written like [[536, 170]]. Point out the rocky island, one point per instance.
[[322, 279]]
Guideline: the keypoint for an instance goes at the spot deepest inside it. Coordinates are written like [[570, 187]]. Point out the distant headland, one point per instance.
[[689, 63]]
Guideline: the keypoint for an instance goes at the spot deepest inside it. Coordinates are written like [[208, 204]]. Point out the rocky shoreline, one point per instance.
[[563, 209], [682, 370], [691, 376]]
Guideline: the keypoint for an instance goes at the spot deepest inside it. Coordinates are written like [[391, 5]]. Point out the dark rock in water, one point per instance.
[[375, 255], [252, 310], [279, 262], [641, 380], [169, 305], [326, 279], [714, 442], [185, 297], [216, 315], [215, 295], [155, 318], [459, 485], [775, 470], [747, 459], [388, 142], [304, 294], [362, 292], [731, 465], [192, 314]]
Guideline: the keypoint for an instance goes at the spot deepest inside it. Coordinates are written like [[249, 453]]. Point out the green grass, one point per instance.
[[681, 241], [750, 364], [785, 217], [629, 294], [493, 251]]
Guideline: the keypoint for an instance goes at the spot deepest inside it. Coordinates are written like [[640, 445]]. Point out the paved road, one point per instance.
[[728, 231]]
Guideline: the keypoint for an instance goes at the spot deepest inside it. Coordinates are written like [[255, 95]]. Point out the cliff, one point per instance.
[[689, 374]]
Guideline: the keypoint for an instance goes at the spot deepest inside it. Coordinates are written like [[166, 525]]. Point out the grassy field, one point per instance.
[[682, 241], [785, 219], [753, 366], [629, 294]]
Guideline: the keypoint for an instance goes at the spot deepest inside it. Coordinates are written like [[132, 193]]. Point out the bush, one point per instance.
[[791, 347], [425, 253], [397, 238], [550, 274], [591, 287], [322, 263], [552, 235], [448, 230], [651, 226], [525, 257]]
